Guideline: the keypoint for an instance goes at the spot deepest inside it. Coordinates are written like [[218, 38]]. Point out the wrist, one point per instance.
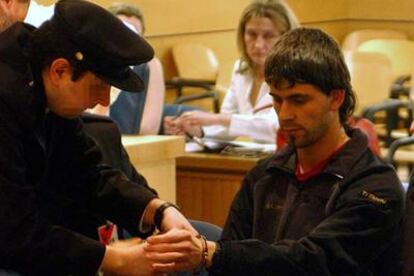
[[212, 247], [204, 255], [150, 210], [224, 119], [112, 261], [159, 213]]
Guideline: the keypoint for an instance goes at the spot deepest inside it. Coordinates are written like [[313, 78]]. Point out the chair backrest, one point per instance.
[[211, 231], [195, 61], [400, 53], [371, 77], [355, 38]]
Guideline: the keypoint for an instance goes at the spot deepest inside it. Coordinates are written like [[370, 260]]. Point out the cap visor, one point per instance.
[[130, 83]]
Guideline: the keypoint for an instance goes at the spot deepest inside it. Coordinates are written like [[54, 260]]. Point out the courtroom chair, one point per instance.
[[401, 55], [211, 231], [355, 38], [197, 67], [371, 79], [401, 152]]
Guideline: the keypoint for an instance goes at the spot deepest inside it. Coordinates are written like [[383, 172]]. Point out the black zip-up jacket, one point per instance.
[[344, 221], [51, 172]]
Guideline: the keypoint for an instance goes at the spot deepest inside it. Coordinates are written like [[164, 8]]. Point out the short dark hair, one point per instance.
[[307, 55], [128, 10], [48, 43]]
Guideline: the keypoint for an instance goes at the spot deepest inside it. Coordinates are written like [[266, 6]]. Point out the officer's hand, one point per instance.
[[127, 258]]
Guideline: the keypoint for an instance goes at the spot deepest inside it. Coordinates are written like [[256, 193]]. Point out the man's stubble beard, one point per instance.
[[4, 24], [5, 20]]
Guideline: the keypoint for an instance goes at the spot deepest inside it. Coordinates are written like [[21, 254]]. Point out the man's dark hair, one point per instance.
[[49, 43], [307, 55]]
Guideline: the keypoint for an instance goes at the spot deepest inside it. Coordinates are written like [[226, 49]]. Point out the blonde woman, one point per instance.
[[246, 109]]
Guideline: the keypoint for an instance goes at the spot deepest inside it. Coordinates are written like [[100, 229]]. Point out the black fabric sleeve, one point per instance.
[[91, 183]]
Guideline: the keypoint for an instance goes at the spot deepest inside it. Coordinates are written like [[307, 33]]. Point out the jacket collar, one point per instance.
[[340, 164], [18, 89], [13, 46]]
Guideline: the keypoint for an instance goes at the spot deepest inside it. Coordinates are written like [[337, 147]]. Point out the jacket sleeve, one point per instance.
[[342, 244], [28, 242], [261, 127], [90, 182]]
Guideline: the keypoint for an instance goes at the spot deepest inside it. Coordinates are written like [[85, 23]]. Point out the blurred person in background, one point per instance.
[[139, 113], [246, 108]]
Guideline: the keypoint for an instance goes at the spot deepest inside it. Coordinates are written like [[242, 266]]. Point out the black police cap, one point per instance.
[[105, 45]]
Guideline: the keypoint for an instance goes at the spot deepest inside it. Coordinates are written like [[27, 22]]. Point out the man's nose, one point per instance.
[[285, 112], [103, 97]]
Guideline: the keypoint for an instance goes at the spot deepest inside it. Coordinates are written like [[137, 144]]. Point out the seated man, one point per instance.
[[324, 204]]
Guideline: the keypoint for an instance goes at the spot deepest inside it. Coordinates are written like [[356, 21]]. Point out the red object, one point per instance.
[[281, 140], [317, 169], [107, 233], [368, 128]]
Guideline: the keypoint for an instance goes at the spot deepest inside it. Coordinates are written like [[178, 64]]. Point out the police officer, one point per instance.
[[48, 166]]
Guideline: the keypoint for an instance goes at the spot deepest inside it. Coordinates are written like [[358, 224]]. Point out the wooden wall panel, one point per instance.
[[213, 22], [170, 17], [206, 197], [319, 10], [381, 9], [222, 43]]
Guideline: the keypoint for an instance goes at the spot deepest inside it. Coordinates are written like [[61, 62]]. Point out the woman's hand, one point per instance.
[[171, 126], [201, 118], [178, 126]]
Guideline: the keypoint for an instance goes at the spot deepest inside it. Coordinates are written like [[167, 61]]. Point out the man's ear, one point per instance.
[[60, 69], [336, 98]]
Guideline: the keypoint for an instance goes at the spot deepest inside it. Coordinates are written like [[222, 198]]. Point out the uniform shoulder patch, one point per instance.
[[373, 198]]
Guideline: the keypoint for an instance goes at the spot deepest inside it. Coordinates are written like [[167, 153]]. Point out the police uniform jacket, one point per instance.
[[48, 169], [344, 221]]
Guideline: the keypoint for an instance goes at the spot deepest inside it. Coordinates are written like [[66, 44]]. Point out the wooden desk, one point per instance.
[[154, 158], [207, 183]]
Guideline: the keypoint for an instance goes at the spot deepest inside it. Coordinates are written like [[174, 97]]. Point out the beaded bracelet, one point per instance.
[[204, 254]]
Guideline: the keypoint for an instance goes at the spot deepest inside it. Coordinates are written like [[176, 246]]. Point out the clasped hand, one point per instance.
[[175, 250], [189, 123]]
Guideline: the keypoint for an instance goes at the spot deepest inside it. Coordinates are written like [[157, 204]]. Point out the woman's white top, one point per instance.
[[260, 126], [37, 14]]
